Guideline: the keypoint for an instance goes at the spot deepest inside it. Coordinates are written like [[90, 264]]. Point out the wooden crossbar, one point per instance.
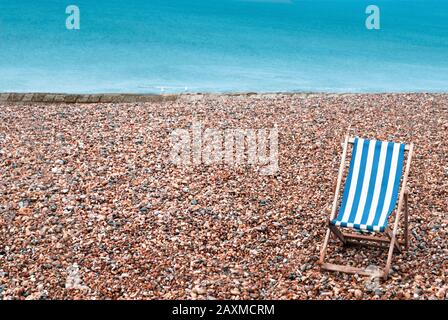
[[379, 242], [367, 238], [350, 269]]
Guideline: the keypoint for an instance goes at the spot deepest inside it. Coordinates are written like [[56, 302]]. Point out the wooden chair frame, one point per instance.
[[358, 239]]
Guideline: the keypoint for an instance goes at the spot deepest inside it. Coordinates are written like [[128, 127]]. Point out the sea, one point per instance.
[[175, 46]]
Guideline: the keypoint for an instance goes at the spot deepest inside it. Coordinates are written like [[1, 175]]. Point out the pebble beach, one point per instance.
[[92, 208]]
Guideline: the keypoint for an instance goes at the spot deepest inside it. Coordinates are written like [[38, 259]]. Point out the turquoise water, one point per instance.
[[153, 46]]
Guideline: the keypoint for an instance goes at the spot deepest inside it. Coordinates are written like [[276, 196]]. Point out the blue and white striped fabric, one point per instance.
[[371, 188]]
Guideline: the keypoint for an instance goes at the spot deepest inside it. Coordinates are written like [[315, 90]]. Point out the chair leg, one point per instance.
[[324, 247], [389, 256], [406, 222]]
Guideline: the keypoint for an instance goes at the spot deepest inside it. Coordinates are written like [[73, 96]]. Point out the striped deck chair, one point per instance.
[[370, 195]]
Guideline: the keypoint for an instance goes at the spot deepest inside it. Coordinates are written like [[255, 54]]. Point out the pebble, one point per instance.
[[56, 170], [378, 292], [200, 290], [23, 203], [441, 293], [235, 291], [326, 294], [358, 294]]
